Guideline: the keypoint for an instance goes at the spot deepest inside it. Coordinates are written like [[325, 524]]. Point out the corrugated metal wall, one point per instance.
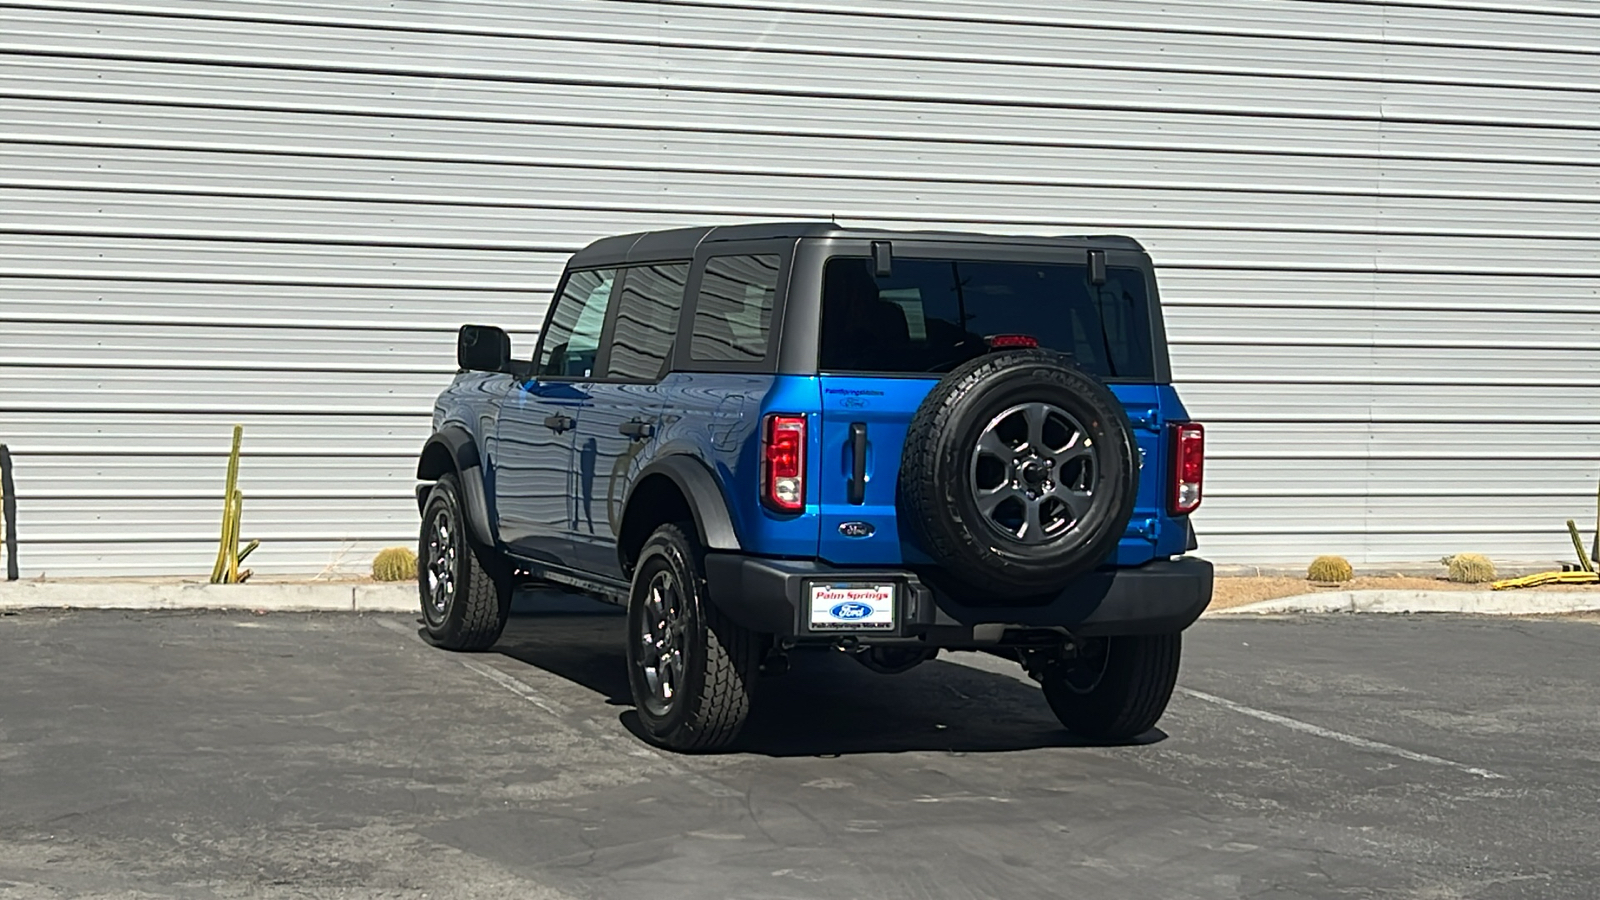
[[1378, 226]]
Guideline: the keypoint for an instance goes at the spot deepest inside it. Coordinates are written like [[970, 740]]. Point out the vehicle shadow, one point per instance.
[[826, 705]]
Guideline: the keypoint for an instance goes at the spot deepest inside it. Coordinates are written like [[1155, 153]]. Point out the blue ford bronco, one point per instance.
[[767, 439]]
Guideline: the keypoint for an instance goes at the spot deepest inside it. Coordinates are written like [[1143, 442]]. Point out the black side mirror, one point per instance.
[[483, 348]]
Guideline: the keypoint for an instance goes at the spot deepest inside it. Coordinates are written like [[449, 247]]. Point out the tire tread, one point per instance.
[[483, 601], [1132, 696], [719, 704]]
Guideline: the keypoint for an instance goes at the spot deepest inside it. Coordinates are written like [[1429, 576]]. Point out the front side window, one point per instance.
[[932, 315], [572, 339], [733, 315], [647, 321]]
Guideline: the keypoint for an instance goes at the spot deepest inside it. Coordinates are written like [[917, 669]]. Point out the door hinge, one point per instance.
[[1148, 419], [1149, 529]]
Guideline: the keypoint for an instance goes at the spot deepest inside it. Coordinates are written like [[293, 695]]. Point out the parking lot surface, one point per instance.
[[228, 755]]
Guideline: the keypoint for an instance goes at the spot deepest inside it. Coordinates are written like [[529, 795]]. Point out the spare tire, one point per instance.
[[1019, 473]]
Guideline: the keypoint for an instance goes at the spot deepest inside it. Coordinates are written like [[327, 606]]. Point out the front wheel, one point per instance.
[[1116, 688], [690, 669], [465, 587]]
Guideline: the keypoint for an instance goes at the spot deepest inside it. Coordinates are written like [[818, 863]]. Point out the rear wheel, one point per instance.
[[690, 669], [1114, 689], [465, 587]]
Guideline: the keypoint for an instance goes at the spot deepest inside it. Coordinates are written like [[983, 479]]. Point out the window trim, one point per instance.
[[682, 360], [614, 312], [601, 352]]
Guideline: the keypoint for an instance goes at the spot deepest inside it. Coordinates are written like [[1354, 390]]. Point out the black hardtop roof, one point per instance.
[[681, 243]]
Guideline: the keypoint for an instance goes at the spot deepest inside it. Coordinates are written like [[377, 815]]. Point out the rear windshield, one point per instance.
[[932, 315]]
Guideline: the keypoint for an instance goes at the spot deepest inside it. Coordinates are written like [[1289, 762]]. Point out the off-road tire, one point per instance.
[[1139, 674], [474, 614], [720, 661], [938, 502]]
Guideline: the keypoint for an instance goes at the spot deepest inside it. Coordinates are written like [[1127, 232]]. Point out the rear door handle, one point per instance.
[[637, 429], [559, 422], [857, 491]]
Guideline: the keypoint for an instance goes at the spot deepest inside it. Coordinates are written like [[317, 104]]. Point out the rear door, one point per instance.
[[887, 339], [618, 428]]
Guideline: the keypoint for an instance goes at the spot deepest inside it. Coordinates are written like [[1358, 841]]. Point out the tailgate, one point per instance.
[[863, 434]]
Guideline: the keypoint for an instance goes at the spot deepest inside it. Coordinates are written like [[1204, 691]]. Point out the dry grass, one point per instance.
[[1230, 592]]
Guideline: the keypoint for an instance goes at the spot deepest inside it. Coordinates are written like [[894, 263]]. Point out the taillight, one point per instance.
[[783, 462], [1188, 467]]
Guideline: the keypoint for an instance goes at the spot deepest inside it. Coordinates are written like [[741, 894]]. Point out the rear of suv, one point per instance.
[[767, 439]]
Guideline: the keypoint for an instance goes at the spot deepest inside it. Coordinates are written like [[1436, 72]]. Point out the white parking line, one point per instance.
[[585, 726], [1330, 734], [516, 686], [509, 682], [605, 733], [998, 666]]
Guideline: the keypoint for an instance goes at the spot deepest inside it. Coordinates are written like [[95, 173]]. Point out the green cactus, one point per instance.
[[394, 564], [1470, 568], [226, 570], [1330, 569]]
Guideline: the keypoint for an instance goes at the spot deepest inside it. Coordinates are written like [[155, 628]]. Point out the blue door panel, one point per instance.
[[607, 461], [1143, 403], [883, 408], [534, 476]]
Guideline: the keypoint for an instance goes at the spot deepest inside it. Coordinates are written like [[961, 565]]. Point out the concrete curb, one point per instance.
[[402, 598], [1379, 570], [280, 597], [1477, 603]]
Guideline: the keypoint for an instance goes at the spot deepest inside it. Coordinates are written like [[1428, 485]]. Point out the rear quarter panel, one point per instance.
[[716, 419]]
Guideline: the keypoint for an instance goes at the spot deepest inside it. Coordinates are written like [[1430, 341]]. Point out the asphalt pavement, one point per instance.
[[213, 754]]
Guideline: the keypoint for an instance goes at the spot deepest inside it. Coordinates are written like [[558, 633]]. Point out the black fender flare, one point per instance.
[[704, 496], [453, 448]]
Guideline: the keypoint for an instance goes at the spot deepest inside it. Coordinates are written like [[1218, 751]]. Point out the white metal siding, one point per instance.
[[1378, 226]]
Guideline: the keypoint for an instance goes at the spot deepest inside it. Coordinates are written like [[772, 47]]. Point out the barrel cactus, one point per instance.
[[1470, 568], [1330, 569], [394, 564]]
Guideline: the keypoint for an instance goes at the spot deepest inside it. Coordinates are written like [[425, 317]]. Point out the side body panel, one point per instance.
[[607, 462]]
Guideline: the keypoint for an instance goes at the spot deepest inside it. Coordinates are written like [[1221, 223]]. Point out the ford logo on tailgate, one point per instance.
[[850, 611], [856, 529]]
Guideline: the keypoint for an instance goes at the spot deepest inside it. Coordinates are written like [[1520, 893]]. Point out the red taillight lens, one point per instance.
[[1188, 466], [1012, 341], [783, 462]]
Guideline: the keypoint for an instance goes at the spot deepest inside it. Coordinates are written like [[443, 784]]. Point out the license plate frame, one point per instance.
[[833, 606]]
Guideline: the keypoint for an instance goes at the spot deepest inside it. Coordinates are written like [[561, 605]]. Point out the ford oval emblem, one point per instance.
[[850, 611], [856, 529]]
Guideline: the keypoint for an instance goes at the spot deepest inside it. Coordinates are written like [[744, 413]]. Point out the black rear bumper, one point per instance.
[[768, 595]]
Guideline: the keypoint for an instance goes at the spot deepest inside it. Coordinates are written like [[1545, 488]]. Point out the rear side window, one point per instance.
[[932, 315], [572, 339], [733, 314], [647, 321]]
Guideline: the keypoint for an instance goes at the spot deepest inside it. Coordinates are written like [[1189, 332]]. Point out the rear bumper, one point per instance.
[[768, 595]]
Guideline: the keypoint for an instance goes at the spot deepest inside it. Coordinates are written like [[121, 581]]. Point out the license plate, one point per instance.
[[852, 607]]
